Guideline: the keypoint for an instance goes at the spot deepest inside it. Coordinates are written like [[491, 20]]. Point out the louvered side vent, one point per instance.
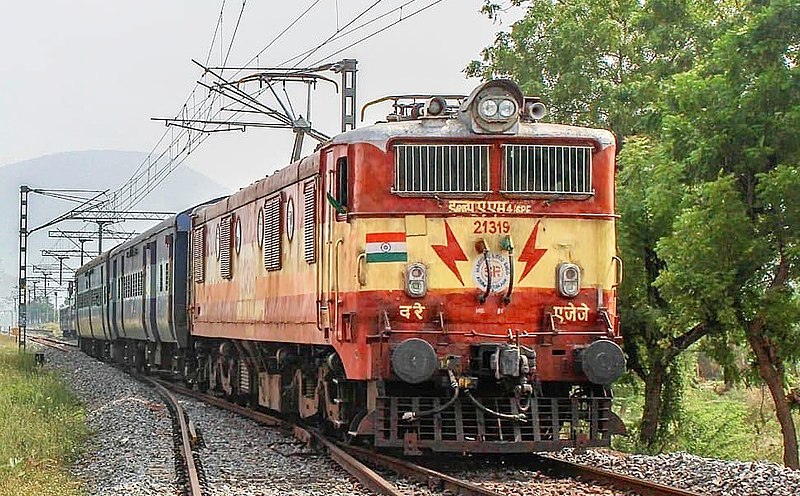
[[309, 223], [272, 234], [198, 254], [225, 247]]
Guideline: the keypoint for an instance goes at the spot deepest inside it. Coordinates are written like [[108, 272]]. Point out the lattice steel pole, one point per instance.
[[347, 68], [22, 315]]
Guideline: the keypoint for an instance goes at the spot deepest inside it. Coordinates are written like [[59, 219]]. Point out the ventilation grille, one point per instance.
[[309, 223], [225, 247], [272, 234], [547, 169], [198, 254], [431, 169]]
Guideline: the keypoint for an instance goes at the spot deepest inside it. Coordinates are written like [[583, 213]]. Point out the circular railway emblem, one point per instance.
[[499, 268]]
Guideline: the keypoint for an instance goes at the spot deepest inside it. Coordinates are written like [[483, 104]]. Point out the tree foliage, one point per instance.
[[705, 97], [601, 63]]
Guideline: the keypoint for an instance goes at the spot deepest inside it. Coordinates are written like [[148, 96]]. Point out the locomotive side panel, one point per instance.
[[245, 292]]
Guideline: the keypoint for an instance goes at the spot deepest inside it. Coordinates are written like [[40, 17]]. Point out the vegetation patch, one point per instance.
[[42, 431], [713, 421]]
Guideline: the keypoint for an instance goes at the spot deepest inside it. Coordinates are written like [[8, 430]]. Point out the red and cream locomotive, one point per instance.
[[441, 281]]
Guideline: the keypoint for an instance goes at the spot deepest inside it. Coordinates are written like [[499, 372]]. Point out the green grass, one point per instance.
[[737, 424], [42, 429]]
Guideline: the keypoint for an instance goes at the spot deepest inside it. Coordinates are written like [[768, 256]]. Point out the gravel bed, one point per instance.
[[519, 482], [130, 450], [241, 457], [131, 453], [701, 475], [513, 480]]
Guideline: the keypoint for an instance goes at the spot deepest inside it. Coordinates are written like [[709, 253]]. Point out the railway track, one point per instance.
[[185, 440], [357, 461], [53, 343], [365, 475], [618, 481]]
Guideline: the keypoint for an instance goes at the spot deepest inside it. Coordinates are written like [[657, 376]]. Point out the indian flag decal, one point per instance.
[[386, 247]]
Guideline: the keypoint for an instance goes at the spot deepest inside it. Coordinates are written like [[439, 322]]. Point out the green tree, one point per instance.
[[734, 254], [605, 64], [650, 194], [601, 63]]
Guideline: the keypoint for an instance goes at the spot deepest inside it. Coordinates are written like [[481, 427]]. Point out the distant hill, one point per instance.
[[97, 169]]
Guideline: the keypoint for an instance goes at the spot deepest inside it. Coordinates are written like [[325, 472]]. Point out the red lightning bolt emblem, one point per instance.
[[530, 254], [451, 252]]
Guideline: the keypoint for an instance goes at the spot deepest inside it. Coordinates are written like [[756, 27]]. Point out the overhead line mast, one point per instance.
[[87, 210]]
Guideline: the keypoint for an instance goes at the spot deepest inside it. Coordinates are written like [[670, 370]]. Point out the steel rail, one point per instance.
[[619, 481], [52, 343], [365, 475], [433, 479], [186, 438]]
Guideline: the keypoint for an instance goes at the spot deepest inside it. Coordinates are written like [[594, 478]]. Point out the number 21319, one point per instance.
[[491, 227]]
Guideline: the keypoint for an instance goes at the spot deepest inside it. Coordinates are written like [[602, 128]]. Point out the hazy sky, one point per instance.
[[89, 74]]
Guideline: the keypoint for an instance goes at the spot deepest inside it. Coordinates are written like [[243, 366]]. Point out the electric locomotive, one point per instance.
[[444, 280]]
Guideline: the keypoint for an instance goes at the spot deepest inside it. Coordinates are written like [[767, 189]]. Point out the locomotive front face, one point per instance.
[[486, 261]]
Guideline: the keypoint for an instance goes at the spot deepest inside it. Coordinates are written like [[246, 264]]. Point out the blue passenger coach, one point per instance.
[[132, 299]]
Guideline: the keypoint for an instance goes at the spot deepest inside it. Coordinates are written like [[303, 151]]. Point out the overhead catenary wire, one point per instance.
[[365, 38], [130, 193], [216, 30], [339, 29], [235, 30], [175, 146], [344, 33], [279, 35]]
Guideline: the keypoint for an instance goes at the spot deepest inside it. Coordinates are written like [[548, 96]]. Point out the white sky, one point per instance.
[[89, 74]]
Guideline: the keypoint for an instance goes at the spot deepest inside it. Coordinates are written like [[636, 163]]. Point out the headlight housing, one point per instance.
[[568, 280], [493, 107], [416, 280]]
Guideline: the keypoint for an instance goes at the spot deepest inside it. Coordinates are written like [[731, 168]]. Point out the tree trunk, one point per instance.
[[651, 414], [774, 380]]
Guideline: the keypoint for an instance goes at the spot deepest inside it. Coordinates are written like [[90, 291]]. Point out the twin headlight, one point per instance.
[[492, 109]]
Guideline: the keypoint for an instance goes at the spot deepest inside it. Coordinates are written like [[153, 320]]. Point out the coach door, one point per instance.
[[334, 200]]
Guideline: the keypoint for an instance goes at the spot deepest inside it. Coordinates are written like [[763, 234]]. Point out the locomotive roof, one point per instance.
[[379, 134]]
